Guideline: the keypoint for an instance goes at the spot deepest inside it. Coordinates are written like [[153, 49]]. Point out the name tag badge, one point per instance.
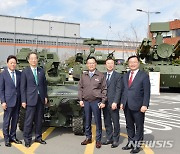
[[97, 79]]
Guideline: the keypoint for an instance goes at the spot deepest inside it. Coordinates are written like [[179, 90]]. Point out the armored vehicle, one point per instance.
[[22, 58], [161, 57], [63, 108], [100, 57]]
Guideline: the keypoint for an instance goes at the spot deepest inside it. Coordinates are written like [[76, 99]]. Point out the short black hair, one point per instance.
[[31, 54], [134, 56], [11, 57], [110, 59], [91, 57]]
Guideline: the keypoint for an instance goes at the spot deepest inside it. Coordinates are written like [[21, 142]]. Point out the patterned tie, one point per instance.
[[35, 75], [13, 78], [130, 79]]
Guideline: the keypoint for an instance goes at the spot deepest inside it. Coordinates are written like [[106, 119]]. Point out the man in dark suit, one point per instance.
[[111, 110], [10, 99], [135, 101], [92, 95], [34, 97]]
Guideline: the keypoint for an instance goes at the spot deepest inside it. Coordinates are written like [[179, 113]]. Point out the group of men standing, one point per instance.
[[27, 89], [110, 92]]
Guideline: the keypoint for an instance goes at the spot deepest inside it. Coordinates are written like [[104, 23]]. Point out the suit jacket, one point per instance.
[[29, 88], [10, 93], [114, 88], [138, 94]]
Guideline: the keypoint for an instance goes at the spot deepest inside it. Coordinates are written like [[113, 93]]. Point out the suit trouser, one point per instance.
[[134, 124], [111, 116], [33, 114], [10, 120], [90, 107]]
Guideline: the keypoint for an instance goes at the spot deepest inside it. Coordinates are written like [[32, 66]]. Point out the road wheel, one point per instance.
[[22, 115], [78, 125]]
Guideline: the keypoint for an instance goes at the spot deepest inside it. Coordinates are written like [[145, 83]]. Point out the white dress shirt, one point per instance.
[[135, 72], [110, 74]]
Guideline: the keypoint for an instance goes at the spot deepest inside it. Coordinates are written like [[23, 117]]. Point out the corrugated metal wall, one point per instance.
[[61, 37], [38, 27]]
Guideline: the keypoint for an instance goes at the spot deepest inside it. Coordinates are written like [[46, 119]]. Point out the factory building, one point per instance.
[[61, 37]]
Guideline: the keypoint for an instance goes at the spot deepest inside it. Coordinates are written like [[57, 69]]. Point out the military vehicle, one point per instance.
[[63, 108], [161, 57], [100, 57], [22, 58]]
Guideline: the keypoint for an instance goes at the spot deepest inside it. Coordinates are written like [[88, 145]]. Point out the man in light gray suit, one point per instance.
[[111, 110], [135, 101]]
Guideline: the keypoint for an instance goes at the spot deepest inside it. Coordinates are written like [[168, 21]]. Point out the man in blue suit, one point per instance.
[[111, 110], [135, 101], [33, 97], [10, 99]]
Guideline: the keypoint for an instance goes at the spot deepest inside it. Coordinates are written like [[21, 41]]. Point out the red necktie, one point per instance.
[[130, 79]]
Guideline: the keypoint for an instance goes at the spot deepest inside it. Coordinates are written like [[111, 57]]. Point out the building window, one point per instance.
[[9, 40], [28, 41], [60, 43], [177, 32]]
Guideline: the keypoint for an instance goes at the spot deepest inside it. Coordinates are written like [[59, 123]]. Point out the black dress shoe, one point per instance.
[[41, 141], [7, 144], [27, 145], [16, 141], [128, 147], [135, 150], [107, 142], [114, 145], [98, 144], [86, 141]]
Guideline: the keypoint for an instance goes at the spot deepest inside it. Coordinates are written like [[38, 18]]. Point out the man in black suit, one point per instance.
[[34, 97], [10, 99], [111, 110], [135, 101]]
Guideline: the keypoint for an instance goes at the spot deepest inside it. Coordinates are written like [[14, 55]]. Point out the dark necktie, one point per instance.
[[130, 79], [108, 79], [13, 78]]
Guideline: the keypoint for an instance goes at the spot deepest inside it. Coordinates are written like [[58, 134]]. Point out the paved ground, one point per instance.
[[162, 131]]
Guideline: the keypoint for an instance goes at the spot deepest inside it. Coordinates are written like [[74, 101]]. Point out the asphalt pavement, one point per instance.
[[162, 133]]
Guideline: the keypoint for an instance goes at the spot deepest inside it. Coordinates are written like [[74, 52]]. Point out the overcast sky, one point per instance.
[[102, 19]]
